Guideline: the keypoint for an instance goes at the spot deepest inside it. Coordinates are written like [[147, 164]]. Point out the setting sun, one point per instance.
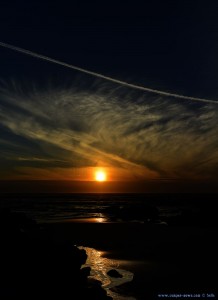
[[100, 176]]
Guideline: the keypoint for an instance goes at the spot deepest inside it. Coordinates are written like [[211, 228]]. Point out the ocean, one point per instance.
[[155, 208], [161, 238]]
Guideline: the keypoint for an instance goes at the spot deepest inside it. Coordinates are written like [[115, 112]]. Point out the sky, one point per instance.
[[58, 123]]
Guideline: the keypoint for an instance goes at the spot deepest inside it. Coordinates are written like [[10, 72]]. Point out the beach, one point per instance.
[[167, 250], [165, 260]]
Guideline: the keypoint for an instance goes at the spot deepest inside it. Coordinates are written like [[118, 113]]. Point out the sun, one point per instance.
[[100, 176]]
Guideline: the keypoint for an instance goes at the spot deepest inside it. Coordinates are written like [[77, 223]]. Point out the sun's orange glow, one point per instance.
[[100, 176]]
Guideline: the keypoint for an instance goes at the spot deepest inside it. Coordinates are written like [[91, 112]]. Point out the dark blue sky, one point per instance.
[[169, 45]]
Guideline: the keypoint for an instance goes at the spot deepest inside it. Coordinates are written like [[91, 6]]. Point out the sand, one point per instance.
[[164, 259]]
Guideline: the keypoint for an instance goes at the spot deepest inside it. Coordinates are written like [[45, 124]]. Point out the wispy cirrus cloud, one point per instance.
[[148, 136]]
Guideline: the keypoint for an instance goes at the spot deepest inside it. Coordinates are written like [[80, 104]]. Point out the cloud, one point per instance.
[[107, 78], [149, 136]]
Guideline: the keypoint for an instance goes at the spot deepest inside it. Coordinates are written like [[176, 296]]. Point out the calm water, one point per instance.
[[106, 207], [99, 268]]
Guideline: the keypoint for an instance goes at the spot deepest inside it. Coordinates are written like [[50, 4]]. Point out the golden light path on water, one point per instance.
[[99, 268]]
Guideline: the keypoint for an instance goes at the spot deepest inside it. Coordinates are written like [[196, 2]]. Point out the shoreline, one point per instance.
[[163, 258]]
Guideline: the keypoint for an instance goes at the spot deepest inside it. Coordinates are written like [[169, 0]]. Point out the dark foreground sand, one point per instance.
[[164, 259]]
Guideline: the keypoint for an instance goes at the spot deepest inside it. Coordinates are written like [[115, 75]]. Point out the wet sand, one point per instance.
[[164, 259]]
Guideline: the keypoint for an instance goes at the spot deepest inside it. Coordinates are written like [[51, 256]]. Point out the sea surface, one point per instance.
[[157, 208]]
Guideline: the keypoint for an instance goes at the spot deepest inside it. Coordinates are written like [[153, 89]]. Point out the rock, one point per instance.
[[114, 273], [95, 292], [31, 260], [84, 273], [93, 282]]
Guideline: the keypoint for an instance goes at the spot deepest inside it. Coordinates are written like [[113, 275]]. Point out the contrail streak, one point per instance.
[[124, 83]]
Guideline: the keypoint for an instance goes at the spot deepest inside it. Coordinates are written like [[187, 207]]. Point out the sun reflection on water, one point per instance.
[[99, 268], [100, 220]]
